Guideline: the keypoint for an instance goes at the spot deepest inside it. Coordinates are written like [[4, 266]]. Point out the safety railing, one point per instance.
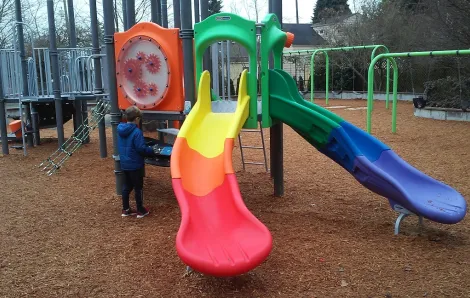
[[10, 66]]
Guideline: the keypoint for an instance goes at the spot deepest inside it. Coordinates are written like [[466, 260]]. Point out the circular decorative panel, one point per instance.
[[143, 72]]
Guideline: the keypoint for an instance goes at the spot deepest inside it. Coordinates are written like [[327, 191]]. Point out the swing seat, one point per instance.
[[419, 102]]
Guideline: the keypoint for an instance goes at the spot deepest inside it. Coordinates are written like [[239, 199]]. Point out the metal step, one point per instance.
[[263, 147]]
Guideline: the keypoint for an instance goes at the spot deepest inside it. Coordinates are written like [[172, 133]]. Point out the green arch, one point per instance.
[[327, 74], [227, 26]]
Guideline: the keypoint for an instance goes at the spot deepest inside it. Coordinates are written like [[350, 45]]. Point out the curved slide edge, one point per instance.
[[370, 161], [218, 235]]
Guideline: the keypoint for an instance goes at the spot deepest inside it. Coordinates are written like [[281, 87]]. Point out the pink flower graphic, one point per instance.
[[141, 57], [132, 70], [140, 89], [153, 63], [153, 89]]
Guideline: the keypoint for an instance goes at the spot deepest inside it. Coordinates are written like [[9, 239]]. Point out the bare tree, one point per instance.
[[253, 8], [7, 14]]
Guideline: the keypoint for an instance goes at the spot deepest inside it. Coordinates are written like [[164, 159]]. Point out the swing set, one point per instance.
[[389, 57], [325, 52]]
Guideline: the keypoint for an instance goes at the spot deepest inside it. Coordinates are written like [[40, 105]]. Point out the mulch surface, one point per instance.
[[63, 236]]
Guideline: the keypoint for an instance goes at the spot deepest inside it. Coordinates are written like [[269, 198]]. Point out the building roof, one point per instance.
[[335, 20], [304, 34]]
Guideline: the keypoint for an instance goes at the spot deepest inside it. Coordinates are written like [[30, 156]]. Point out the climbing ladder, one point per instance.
[[55, 161], [262, 147]]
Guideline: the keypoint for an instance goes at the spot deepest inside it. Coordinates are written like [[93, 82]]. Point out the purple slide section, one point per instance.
[[390, 176]]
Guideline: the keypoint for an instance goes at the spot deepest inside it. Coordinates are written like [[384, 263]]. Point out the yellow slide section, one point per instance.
[[214, 126], [202, 153]]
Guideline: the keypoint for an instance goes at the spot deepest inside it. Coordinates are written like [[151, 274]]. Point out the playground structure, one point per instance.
[[53, 86], [218, 235]]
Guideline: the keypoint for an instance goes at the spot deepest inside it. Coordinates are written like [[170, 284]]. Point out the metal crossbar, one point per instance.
[[262, 147], [58, 158]]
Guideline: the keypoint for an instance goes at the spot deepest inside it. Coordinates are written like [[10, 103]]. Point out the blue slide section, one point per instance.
[[370, 161]]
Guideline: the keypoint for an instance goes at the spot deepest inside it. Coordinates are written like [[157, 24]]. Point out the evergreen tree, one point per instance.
[[215, 6], [325, 9]]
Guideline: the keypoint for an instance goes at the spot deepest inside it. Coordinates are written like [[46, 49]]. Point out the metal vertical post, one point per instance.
[[3, 121], [229, 77], [24, 67], [197, 16], [164, 14], [187, 34], [215, 68], [78, 105], [55, 72], [276, 131], [98, 80], [130, 14], [72, 32], [124, 14], [207, 55], [108, 18], [297, 10], [222, 68], [177, 14], [156, 11], [35, 124]]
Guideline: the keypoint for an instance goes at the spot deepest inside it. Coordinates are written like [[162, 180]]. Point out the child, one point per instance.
[[132, 150]]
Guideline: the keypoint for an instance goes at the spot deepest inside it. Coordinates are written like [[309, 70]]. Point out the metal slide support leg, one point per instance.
[[400, 218], [241, 151], [189, 270], [403, 214], [264, 147]]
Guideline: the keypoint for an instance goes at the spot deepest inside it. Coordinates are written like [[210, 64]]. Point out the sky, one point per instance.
[[305, 9]]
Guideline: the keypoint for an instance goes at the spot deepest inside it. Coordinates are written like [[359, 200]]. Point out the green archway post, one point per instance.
[[227, 26], [312, 75], [390, 56], [370, 91], [387, 86], [272, 41]]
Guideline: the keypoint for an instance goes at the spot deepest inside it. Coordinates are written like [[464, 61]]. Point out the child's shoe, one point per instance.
[[143, 213], [128, 212]]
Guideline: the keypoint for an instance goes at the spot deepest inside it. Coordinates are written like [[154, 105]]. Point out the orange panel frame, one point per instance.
[[171, 46]]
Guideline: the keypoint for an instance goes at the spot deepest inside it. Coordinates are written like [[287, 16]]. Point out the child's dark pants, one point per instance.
[[133, 180]]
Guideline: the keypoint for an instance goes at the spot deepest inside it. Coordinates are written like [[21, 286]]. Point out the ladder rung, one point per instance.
[[251, 130], [254, 163], [252, 147]]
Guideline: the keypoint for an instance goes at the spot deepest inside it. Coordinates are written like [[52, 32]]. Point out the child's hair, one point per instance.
[[132, 113]]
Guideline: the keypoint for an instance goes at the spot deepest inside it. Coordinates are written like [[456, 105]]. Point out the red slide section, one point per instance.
[[218, 235]]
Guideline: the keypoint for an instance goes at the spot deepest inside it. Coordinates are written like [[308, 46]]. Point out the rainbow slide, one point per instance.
[[218, 235]]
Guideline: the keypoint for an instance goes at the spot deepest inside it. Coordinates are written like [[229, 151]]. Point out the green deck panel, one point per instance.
[[312, 122]]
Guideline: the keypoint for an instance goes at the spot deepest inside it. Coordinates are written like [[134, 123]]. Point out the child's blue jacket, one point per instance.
[[132, 147]]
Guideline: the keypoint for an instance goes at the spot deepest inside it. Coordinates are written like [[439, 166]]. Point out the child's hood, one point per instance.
[[125, 129]]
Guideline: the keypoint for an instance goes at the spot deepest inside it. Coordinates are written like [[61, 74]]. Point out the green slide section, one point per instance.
[[312, 122]]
